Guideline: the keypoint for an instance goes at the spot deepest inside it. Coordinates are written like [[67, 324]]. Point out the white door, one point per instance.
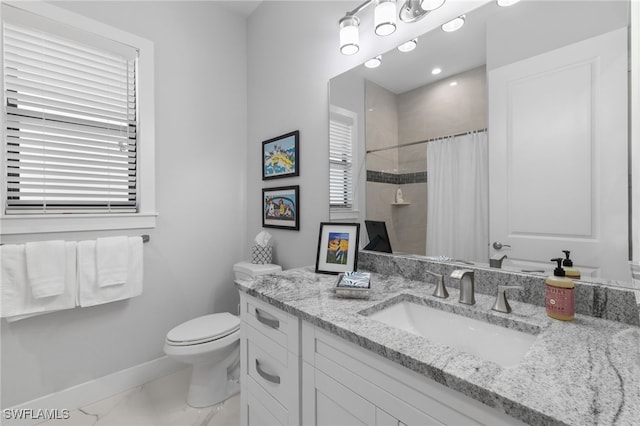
[[558, 158]]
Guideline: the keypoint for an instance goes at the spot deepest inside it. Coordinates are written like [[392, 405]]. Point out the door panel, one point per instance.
[[558, 157]]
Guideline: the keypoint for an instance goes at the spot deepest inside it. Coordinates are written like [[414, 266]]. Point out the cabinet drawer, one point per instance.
[[261, 408], [277, 325], [271, 366]]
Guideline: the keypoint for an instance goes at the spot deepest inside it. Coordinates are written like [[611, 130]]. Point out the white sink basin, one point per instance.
[[506, 347]]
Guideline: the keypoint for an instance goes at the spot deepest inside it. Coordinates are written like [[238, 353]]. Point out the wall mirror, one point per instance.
[[531, 105]]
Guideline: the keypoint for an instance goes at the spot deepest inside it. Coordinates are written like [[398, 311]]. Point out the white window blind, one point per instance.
[[70, 112], [341, 162]]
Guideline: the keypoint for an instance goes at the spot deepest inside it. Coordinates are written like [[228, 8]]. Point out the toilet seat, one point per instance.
[[204, 329]]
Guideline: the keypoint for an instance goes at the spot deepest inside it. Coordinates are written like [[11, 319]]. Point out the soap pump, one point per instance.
[[559, 294], [567, 265]]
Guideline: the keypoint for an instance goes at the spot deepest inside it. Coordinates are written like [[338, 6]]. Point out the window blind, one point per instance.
[[340, 163], [70, 124]]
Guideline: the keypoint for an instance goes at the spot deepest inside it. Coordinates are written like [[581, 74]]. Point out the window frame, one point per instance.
[[146, 215], [347, 213]]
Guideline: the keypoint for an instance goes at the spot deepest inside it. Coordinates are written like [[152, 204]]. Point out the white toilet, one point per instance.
[[212, 344]]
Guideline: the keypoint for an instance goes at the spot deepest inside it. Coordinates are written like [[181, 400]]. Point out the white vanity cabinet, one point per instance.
[[296, 373], [270, 364], [345, 384]]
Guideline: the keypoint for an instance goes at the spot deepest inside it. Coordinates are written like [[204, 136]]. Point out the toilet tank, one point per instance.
[[248, 270]]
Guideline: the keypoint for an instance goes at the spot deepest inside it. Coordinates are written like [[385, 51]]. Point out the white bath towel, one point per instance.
[[90, 293], [18, 301], [112, 260], [45, 267]]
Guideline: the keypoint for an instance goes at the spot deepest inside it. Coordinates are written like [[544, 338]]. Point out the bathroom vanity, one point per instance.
[[309, 357]]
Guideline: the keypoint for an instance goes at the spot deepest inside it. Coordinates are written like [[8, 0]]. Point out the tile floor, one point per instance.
[[157, 403]]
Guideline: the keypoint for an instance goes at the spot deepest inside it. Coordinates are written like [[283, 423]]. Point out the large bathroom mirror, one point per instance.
[[522, 138]]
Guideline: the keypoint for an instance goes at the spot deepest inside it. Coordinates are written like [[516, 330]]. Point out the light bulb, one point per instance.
[[430, 5], [385, 17], [349, 36]]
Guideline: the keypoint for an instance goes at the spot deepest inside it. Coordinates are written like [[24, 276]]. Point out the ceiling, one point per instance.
[[452, 52], [242, 7]]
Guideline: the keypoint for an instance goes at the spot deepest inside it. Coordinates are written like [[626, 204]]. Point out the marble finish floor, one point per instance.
[[157, 403]]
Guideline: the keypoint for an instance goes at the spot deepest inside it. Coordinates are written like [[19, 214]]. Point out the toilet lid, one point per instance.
[[204, 329]]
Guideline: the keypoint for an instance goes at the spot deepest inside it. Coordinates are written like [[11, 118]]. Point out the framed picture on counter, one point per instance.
[[337, 247], [281, 207], [280, 156]]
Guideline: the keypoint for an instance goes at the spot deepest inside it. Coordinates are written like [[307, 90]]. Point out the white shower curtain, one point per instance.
[[458, 197]]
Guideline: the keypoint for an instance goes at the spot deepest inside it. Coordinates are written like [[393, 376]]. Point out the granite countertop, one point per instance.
[[582, 372]]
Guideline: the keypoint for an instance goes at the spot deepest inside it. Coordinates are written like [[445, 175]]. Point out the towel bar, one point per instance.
[[145, 239]]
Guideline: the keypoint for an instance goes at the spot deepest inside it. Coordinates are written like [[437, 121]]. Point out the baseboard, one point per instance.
[[55, 404]]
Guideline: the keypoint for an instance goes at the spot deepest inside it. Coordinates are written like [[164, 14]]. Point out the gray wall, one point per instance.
[[200, 114]]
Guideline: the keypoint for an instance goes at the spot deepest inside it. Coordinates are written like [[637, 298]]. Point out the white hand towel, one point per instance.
[[90, 293], [18, 301], [46, 262], [13, 281], [112, 260]]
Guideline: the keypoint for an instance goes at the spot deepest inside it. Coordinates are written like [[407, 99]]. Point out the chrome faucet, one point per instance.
[[495, 261], [467, 290], [441, 290], [502, 305]]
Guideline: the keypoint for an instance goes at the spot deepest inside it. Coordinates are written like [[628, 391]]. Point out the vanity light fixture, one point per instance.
[[349, 35], [453, 25], [408, 46], [384, 19], [374, 62], [505, 3]]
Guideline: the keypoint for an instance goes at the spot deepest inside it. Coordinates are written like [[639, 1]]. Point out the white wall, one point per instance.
[[201, 96]]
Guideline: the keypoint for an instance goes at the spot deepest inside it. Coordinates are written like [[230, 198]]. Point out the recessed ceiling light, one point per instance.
[[453, 25], [453, 83], [408, 46], [436, 71], [374, 62], [505, 3]]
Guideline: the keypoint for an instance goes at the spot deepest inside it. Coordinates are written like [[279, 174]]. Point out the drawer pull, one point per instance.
[[273, 323], [268, 377]]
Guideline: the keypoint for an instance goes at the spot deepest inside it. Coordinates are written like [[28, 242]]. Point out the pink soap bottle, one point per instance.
[[559, 294]]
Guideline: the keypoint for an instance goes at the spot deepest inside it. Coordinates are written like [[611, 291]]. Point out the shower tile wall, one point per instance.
[[428, 112]]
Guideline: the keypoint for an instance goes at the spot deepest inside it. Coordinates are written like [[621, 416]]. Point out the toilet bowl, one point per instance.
[[211, 343]]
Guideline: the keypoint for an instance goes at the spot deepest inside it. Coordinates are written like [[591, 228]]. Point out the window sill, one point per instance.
[[36, 224], [338, 214]]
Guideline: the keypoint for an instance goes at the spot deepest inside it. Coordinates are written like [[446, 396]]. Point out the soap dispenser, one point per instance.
[[559, 294], [569, 270]]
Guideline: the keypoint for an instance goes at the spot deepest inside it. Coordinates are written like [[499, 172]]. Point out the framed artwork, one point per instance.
[[280, 156], [337, 247], [281, 207]]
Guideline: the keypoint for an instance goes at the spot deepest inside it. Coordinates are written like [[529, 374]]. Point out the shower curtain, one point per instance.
[[458, 197]]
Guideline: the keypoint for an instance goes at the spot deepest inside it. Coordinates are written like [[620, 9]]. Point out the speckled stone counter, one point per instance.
[[583, 372]]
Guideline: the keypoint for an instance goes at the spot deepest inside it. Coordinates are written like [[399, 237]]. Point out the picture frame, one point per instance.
[[280, 156], [281, 207], [338, 245]]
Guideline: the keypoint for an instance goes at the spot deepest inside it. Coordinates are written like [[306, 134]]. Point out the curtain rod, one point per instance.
[[425, 141]]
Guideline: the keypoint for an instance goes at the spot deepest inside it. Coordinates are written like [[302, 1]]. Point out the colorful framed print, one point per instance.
[[281, 207], [337, 247], [280, 157]]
